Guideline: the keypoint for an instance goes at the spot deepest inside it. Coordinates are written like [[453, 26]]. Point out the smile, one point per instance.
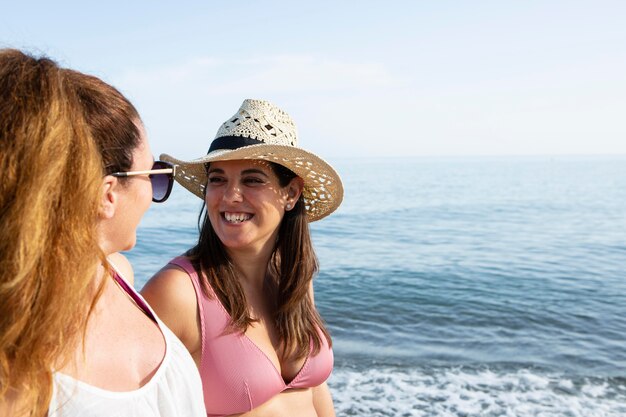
[[236, 217]]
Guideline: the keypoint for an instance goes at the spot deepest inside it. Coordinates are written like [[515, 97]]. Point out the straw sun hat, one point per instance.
[[260, 130]]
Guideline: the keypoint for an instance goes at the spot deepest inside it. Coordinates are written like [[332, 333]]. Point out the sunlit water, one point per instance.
[[462, 287]]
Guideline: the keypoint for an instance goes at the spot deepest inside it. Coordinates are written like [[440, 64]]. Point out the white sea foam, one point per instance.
[[463, 393]]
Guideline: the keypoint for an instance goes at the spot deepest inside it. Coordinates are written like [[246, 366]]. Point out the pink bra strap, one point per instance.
[[185, 264], [136, 298]]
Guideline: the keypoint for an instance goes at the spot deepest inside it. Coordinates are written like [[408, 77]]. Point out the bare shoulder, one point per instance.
[[123, 267], [171, 284], [311, 292], [171, 294]]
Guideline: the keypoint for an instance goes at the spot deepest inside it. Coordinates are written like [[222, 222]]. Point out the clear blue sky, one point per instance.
[[360, 78]]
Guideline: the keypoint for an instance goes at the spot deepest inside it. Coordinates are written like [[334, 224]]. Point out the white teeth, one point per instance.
[[236, 217]]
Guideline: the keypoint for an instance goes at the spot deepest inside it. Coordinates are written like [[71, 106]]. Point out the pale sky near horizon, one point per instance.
[[361, 78]]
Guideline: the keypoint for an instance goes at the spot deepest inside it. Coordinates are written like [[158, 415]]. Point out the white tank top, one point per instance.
[[175, 390]]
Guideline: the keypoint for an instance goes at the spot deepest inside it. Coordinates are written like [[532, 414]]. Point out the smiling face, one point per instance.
[[246, 203]]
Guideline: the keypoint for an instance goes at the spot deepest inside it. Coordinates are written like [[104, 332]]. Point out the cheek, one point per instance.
[[209, 200], [144, 195], [274, 211]]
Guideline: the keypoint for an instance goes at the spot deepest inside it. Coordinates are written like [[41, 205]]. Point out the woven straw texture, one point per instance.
[[261, 120]]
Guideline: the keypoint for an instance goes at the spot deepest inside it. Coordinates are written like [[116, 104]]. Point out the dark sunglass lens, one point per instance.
[[161, 183], [159, 186]]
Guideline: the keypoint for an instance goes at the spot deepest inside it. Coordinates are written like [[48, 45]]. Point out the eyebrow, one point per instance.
[[254, 171], [244, 172]]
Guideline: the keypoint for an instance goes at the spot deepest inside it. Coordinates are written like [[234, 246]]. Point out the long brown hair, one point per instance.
[[111, 118], [291, 269], [52, 158]]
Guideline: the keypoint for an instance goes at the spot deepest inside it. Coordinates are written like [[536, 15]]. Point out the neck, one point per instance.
[[102, 272], [99, 286], [71, 363], [252, 264]]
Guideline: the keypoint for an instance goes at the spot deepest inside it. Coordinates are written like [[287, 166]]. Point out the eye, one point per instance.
[[253, 181], [215, 179]]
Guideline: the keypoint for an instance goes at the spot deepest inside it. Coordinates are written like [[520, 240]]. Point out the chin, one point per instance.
[[129, 245], [235, 245], [238, 243]]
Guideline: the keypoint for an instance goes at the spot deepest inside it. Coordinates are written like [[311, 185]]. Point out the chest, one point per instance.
[[264, 336], [123, 346], [259, 349]]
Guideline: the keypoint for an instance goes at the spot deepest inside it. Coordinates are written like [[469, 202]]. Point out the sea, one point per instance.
[[462, 286]]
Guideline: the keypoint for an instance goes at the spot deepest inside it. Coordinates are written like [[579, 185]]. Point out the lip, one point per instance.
[[236, 214]]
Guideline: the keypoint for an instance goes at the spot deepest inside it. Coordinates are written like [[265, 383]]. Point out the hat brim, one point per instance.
[[323, 190]]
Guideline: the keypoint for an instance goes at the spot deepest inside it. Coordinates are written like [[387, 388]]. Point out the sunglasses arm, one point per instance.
[[148, 172]]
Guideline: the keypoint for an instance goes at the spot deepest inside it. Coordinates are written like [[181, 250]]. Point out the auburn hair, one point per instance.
[[53, 154], [289, 274]]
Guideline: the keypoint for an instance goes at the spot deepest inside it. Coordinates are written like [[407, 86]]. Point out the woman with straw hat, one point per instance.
[[241, 299]]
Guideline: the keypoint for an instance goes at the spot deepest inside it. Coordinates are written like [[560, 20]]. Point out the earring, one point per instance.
[[288, 207]]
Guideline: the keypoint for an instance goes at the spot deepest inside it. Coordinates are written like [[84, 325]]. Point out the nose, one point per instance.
[[232, 193]]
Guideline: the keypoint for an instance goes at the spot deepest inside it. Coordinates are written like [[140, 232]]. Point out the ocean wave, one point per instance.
[[463, 392]]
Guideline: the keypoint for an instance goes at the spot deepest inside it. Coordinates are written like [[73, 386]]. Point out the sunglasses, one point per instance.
[[161, 177]]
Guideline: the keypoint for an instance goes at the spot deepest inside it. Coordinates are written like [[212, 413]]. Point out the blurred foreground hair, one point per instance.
[[58, 137]]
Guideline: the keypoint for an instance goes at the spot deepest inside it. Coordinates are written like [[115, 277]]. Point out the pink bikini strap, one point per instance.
[[185, 264], [136, 298]]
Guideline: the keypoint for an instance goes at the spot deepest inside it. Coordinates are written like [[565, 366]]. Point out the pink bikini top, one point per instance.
[[236, 375]]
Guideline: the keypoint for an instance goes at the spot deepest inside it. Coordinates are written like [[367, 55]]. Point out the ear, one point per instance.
[[108, 197], [294, 190]]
